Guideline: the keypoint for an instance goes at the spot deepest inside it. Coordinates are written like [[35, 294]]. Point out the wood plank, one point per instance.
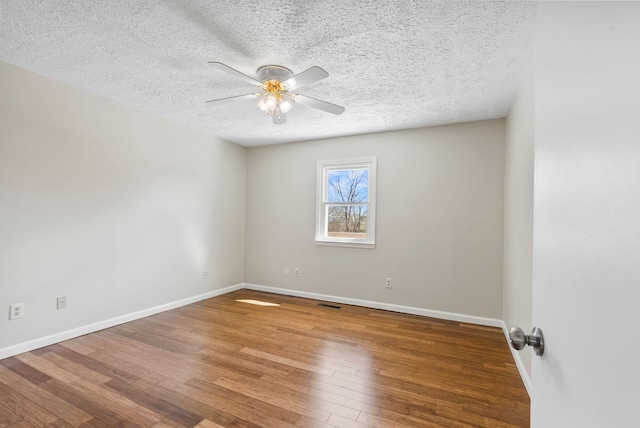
[[95, 365], [280, 399], [59, 423], [158, 405], [208, 424], [77, 369], [8, 417], [247, 408], [136, 367], [51, 402], [210, 414], [99, 409], [25, 408], [287, 361], [342, 422], [377, 421], [241, 423], [426, 420], [95, 423], [305, 422], [24, 370]]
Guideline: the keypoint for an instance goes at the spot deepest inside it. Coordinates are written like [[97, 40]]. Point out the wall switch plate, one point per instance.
[[16, 311], [388, 282], [62, 302], [296, 272], [286, 271], [205, 274]]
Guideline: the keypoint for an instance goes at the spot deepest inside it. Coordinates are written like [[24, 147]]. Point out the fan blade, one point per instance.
[[305, 78], [234, 72], [319, 104], [237, 97], [279, 118]]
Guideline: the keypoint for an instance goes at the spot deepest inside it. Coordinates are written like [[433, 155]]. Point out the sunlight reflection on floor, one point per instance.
[[257, 302]]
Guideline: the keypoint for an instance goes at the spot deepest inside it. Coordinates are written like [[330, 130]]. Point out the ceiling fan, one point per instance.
[[277, 85]]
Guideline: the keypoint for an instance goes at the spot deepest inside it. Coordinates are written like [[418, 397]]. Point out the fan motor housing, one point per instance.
[[274, 72]]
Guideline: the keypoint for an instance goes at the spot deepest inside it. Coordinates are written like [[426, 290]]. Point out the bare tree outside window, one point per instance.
[[348, 194]]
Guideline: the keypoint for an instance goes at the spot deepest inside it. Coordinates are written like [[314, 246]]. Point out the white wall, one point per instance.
[[439, 219], [116, 209], [518, 214], [586, 289]]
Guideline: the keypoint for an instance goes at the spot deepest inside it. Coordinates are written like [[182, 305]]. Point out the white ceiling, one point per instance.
[[392, 64]]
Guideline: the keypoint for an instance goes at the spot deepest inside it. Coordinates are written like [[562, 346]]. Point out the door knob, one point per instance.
[[519, 340]]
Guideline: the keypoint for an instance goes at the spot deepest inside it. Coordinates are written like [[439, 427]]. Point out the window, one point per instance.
[[346, 203]]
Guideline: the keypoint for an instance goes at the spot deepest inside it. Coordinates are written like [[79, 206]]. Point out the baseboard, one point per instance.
[[526, 379], [30, 345], [470, 319]]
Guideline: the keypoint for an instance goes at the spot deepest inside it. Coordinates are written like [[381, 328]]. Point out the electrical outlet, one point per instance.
[[62, 302], [16, 311], [296, 272], [286, 271], [388, 282], [205, 274]]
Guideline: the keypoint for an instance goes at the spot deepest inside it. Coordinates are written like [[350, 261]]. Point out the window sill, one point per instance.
[[351, 244]]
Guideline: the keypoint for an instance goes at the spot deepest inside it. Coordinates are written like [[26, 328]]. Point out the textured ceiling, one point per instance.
[[392, 64]]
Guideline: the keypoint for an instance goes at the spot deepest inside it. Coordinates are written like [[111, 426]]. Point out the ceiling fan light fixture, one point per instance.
[[278, 84], [262, 103], [268, 103], [273, 87], [272, 104], [285, 104], [275, 99]]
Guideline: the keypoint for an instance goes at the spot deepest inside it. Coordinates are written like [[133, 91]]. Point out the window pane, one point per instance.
[[347, 221], [350, 185]]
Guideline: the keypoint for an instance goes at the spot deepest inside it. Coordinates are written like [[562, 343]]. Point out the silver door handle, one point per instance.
[[519, 340]]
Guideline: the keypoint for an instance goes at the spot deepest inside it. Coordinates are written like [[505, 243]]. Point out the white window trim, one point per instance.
[[323, 167]]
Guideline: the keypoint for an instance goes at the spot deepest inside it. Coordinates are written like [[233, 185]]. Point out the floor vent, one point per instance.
[[329, 306]]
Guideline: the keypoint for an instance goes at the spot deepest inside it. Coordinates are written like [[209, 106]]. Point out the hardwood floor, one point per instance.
[[224, 363]]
